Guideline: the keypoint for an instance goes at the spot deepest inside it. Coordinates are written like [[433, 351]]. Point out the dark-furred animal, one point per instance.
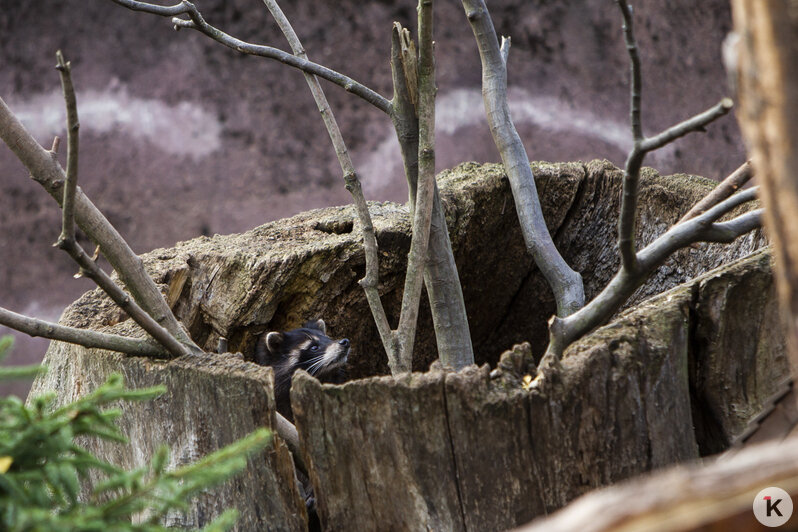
[[308, 348]]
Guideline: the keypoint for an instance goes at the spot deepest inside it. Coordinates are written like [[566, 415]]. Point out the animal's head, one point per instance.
[[308, 348]]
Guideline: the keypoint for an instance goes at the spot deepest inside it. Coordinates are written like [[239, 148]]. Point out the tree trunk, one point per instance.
[[768, 94]]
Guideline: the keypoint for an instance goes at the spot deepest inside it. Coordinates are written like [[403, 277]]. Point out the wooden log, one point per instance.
[[699, 497], [210, 401]]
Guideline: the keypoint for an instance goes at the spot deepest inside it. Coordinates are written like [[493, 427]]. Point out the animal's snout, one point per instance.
[[344, 342]]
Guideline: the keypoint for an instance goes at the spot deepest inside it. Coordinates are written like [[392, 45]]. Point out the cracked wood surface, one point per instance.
[[467, 451]]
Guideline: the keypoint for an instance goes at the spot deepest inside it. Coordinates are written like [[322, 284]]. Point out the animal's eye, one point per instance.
[[314, 347]]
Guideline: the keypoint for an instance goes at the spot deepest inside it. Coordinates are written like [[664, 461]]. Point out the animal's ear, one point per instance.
[[318, 325], [273, 341]]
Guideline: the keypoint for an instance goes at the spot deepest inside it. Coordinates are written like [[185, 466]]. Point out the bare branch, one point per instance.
[[441, 279], [370, 281], [631, 179], [636, 267], [696, 123], [197, 22], [715, 212], [47, 172], [422, 214], [628, 214], [287, 431], [90, 269], [726, 232], [84, 337], [564, 282], [67, 240], [73, 126], [723, 190], [634, 70]]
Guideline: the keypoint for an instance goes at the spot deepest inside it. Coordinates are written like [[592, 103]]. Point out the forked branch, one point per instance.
[[643, 145], [701, 225], [45, 170], [67, 241], [195, 21], [702, 228]]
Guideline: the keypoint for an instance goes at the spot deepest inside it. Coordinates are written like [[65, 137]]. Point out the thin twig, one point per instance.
[[197, 22], [370, 281], [696, 123], [68, 243], [634, 70], [723, 190], [84, 337]]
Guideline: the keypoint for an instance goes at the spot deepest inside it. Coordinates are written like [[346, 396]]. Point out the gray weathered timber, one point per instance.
[[736, 313], [389, 460], [211, 401], [485, 453], [636, 395]]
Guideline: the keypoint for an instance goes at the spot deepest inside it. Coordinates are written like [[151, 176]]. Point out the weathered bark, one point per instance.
[[210, 401], [624, 402], [735, 311], [697, 498], [768, 93]]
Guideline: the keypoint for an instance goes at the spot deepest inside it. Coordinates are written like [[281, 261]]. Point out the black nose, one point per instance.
[[344, 342]]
